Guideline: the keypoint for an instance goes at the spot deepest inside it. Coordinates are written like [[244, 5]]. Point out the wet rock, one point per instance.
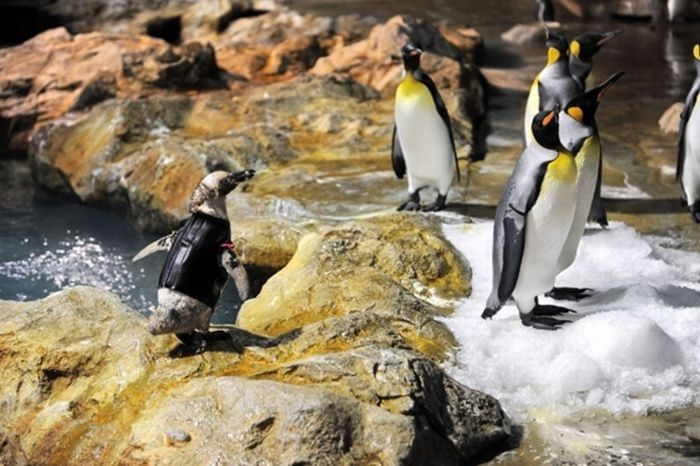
[[522, 34], [369, 61], [638, 8], [85, 382], [354, 267], [671, 119], [56, 72]]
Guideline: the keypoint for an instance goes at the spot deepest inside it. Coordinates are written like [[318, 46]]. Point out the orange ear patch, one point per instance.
[[696, 51], [552, 55], [576, 113], [548, 119], [575, 48]]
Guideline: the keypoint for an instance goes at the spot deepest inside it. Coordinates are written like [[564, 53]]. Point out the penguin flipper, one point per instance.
[[397, 160], [237, 272], [441, 109], [685, 117], [597, 213], [161, 244]]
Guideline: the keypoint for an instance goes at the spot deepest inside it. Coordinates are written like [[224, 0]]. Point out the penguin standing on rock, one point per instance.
[[553, 85], [533, 218], [200, 257], [422, 145], [688, 165]]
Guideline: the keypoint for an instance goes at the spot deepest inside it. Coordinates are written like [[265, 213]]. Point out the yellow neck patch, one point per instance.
[[575, 48], [562, 169], [410, 88], [696, 51], [552, 55]]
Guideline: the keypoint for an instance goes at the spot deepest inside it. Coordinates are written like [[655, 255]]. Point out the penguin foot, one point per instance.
[[194, 342], [551, 310], [695, 212], [542, 322], [439, 204], [410, 205], [569, 294]]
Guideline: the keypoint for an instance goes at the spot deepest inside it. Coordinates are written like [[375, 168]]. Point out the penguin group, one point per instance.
[[555, 186], [542, 212]]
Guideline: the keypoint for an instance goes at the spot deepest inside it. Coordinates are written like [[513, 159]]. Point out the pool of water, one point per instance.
[[48, 243]]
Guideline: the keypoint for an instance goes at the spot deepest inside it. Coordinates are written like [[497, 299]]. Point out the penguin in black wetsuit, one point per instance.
[[200, 259]]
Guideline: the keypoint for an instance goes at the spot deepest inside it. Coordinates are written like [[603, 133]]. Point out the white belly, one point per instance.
[[691, 163], [587, 165], [426, 145], [531, 109], [547, 226]]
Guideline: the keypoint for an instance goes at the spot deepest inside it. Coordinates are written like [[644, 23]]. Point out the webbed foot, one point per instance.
[[439, 204], [194, 342], [412, 204], [569, 293], [541, 317]]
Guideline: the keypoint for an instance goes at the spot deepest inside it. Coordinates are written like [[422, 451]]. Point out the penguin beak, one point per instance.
[[603, 88], [609, 35], [548, 119], [415, 53]]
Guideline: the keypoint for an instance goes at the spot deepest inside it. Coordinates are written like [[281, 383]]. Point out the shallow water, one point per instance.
[[48, 243]]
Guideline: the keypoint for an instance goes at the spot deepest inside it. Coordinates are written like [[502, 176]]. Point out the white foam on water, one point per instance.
[[633, 348]]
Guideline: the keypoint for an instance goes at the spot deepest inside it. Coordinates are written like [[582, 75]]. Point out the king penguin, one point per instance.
[[200, 256], [688, 166], [545, 11], [422, 144], [581, 52], [579, 116], [553, 85], [582, 49], [533, 219]]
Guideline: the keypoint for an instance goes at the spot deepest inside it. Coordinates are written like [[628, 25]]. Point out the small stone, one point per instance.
[[177, 436]]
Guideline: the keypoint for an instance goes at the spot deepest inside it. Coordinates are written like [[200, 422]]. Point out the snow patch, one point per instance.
[[633, 347]]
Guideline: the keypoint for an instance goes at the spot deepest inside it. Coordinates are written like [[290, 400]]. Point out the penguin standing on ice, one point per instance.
[[688, 165], [582, 49], [553, 85], [200, 255], [533, 218], [422, 145], [578, 117]]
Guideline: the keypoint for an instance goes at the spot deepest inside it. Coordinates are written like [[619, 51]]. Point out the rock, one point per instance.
[[638, 8], [522, 34], [56, 72], [85, 382], [369, 61], [670, 121], [359, 266]]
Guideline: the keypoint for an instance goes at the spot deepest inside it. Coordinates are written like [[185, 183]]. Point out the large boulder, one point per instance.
[[56, 72], [84, 382]]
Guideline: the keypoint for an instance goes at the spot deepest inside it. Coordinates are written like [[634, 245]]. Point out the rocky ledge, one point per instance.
[[336, 361]]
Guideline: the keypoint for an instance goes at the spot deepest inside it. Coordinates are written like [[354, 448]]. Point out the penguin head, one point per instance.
[[583, 107], [411, 57], [585, 45], [577, 119], [545, 128], [557, 46]]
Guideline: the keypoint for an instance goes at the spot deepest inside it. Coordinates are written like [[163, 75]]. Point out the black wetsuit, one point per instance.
[[193, 266]]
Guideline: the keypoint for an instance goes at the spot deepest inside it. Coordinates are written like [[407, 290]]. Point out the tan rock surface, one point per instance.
[[84, 382]]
